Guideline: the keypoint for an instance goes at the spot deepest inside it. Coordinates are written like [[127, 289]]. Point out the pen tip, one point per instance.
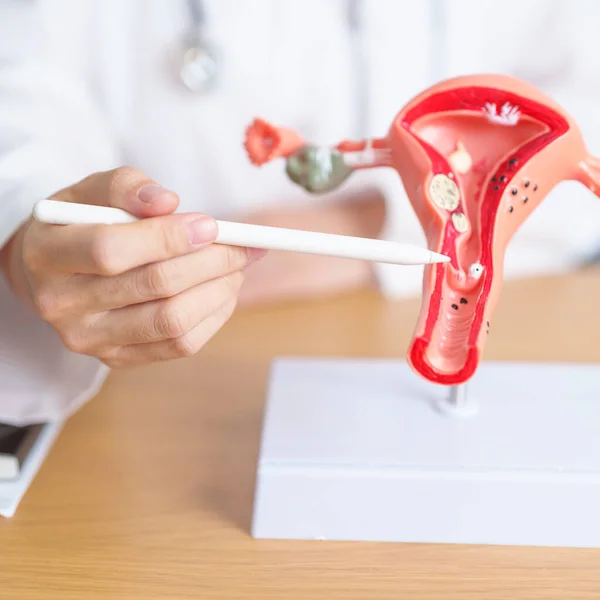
[[438, 258]]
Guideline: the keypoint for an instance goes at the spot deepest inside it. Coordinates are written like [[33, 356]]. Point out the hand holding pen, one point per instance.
[[130, 289], [129, 293]]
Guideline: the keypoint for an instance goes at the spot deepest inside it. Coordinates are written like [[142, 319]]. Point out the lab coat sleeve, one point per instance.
[[51, 136]]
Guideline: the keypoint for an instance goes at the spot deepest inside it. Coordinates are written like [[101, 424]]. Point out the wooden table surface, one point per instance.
[[148, 491]]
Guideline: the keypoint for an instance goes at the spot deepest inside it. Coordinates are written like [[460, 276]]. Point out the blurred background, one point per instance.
[[169, 86]]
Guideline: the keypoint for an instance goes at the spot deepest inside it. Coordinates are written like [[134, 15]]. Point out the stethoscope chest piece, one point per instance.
[[199, 66], [199, 59]]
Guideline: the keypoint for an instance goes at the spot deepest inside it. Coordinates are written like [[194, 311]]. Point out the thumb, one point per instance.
[[125, 188]]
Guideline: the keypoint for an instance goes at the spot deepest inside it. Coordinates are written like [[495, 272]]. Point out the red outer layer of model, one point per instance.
[[476, 155]]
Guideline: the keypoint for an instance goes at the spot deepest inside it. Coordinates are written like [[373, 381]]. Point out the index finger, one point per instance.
[[117, 248]]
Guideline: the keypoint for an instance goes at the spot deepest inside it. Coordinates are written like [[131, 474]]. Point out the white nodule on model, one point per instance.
[[508, 115], [475, 270], [460, 159], [444, 192], [460, 222]]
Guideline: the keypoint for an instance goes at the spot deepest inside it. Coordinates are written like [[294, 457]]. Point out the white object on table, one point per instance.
[[357, 450], [256, 236], [12, 492]]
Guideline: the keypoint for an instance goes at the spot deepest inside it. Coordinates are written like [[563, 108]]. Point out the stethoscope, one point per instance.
[[200, 59]]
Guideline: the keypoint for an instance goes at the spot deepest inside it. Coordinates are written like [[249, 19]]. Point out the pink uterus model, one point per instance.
[[476, 155]]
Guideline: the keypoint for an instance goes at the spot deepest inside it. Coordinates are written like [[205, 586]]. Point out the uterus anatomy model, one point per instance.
[[476, 155]]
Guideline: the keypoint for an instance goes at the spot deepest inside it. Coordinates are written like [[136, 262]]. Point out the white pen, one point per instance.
[[255, 236]]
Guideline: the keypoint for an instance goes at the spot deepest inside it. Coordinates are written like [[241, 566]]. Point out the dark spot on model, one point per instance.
[[525, 198], [526, 184], [511, 208], [496, 188], [455, 306], [535, 187], [514, 191], [502, 178], [512, 162]]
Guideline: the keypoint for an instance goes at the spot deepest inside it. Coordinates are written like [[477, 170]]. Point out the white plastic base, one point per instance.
[[359, 450]]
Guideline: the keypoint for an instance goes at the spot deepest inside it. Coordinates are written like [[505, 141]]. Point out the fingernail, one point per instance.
[[255, 254], [149, 193], [202, 231]]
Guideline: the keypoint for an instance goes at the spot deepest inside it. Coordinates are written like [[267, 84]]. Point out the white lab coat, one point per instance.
[[87, 86]]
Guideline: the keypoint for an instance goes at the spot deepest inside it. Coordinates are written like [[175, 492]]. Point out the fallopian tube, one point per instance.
[[476, 155]]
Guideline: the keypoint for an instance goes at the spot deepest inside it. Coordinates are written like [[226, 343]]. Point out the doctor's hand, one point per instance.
[[135, 293]]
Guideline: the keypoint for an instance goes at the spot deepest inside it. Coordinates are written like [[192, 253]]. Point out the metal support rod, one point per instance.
[[458, 395], [457, 403]]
